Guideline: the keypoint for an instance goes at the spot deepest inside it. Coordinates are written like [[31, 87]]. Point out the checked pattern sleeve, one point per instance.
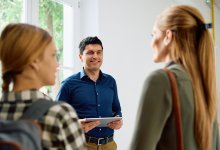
[[61, 121]]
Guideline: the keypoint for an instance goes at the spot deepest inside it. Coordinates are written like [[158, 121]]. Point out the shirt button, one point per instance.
[[99, 105], [100, 129], [97, 93]]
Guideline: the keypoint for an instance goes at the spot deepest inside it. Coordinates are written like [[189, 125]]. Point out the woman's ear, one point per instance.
[[168, 37], [35, 64]]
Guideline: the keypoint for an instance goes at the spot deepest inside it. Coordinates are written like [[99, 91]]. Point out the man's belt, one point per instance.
[[99, 141]]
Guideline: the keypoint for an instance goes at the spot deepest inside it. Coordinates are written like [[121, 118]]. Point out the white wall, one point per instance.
[[124, 26], [88, 24]]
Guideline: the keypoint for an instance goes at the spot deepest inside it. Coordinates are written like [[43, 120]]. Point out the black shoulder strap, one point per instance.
[[38, 109]]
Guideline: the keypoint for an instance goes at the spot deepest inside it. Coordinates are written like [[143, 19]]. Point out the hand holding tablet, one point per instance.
[[103, 121]]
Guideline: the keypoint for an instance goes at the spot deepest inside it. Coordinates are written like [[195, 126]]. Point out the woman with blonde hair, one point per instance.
[[28, 58], [180, 38]]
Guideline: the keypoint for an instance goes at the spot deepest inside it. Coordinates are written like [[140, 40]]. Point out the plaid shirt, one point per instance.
[[61, 129]]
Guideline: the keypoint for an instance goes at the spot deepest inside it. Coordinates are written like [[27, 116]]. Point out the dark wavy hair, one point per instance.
[[87, 41]]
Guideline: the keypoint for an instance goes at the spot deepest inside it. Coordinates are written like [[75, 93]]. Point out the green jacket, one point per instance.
[[155, 127]]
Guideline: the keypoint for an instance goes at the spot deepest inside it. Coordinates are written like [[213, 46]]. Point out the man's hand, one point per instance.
[[87, 126], [115, 124]]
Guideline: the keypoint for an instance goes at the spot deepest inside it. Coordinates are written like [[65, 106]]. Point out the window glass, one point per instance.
[[57, 19], [11, 11], [51, 19]]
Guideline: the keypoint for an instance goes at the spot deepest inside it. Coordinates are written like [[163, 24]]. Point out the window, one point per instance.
[[11, 11], [53, 17], [57, 17]]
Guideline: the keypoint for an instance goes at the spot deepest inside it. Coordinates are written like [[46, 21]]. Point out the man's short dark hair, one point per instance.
[[87, 41]]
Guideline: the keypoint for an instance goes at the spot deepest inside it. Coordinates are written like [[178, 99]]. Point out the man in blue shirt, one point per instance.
[[93, 94]]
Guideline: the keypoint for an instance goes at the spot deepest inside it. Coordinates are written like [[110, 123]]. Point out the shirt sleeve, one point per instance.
[[116, 103], [154, 108], [63, 93], [64, 122]]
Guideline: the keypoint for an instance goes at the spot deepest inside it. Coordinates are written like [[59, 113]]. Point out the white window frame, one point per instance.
[[71, 35], [31, 10]]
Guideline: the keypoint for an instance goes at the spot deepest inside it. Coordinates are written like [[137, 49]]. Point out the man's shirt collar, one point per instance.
[[83, 74]]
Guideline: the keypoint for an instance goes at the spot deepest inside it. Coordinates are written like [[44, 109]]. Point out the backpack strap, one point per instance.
[[38, 109]]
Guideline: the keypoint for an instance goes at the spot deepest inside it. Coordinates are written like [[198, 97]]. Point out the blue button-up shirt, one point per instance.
[[92, 99]]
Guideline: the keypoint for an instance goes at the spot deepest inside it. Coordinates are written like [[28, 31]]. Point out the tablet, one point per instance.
[[103, 121]]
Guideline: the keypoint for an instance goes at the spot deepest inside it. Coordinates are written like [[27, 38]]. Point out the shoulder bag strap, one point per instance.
[[38, 109], [176, 109]]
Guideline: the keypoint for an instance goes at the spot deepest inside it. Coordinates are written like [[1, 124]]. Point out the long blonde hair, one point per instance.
[[192, 47], [20, 44]]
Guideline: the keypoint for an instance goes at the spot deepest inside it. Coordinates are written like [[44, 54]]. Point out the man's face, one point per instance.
[[92, 57]]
